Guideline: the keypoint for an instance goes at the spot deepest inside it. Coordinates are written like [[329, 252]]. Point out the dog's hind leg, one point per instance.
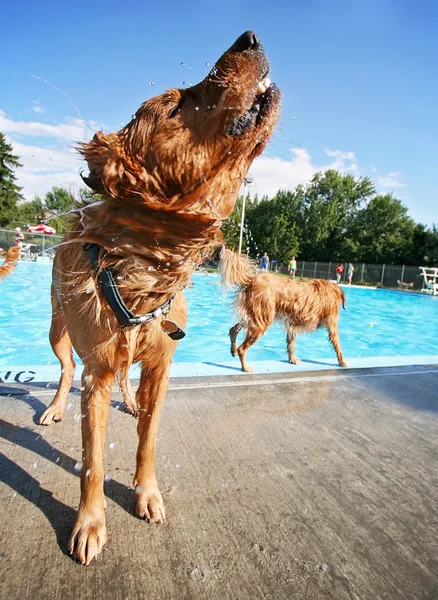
[[333, 333], [291, 338], [127, 391], [62, 347], [150, 395], [89, 532], [252, 335], [233, 337]]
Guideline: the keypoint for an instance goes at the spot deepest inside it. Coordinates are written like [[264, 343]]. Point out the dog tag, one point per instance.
[[172, 329]]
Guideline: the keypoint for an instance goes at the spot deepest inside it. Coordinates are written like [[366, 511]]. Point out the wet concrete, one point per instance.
[[276, 486]]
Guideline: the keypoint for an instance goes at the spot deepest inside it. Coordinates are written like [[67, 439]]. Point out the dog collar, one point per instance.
[[126, 317]]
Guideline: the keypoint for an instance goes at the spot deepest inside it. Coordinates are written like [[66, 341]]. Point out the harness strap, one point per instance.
[[125, 317]]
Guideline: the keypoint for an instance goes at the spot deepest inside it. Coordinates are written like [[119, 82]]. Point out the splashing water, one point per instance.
[[69, 100]]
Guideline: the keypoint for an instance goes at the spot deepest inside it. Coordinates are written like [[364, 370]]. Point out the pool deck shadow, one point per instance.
[[288, 486]]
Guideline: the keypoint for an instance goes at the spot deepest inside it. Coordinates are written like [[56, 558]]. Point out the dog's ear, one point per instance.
[[110, 170]]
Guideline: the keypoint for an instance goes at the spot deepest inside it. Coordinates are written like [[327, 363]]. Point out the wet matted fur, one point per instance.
[[12, 257], [262, 298], [168, 180]]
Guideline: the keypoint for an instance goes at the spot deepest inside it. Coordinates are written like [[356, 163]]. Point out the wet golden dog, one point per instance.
[[168, 180], [12, 257], [264, 297]]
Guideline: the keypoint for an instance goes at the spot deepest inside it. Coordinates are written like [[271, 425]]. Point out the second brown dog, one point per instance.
[[262, 298]]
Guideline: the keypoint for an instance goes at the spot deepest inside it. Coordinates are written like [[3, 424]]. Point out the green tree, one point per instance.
[[9, 190], [330, 204], [274, 226], [30, 213], [424, 247], [384, 231], [58, 201]]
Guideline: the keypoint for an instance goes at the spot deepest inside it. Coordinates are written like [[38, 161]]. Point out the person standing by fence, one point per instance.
[[19, 237], [339, 271], [350, 271], [292, 267]]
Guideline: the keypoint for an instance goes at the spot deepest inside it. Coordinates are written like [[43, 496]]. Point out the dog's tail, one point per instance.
[[343, 299], [11, 260], [236, 269]]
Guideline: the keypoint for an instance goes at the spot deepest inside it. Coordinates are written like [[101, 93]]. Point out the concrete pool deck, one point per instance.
[[310, 485]]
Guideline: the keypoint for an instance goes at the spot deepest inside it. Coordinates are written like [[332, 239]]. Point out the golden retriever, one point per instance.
[[12, 257], [168, 180], [264, 297]]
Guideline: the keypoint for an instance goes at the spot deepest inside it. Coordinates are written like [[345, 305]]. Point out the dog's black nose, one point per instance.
[[247, 41]]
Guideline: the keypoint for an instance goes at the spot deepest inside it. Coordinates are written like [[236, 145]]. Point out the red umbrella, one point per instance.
[[41, 228]]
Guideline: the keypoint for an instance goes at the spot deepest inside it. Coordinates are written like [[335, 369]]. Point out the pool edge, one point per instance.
[[50, 373]]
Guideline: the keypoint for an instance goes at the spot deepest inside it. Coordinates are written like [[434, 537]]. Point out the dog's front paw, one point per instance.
[[150, 504], [131, 405], [88, 536], [53, 414], [342, 363]]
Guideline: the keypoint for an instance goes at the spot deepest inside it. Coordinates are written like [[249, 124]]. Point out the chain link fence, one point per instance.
[[33, 244], [390, 276]]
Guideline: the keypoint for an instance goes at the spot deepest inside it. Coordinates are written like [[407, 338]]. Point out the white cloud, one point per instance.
[[391, 180], [272, 174], [36, 159], [74, 130], [35, 184], [50, 162]]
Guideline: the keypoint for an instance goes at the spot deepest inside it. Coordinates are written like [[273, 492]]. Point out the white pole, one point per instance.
[[243, 217], [248, 179]]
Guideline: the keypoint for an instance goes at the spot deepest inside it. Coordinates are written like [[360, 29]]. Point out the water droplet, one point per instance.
[[152, 83], [138, 489], [112, 445], [107, 478], [183, 64], [207, 64], [35, 465], [77, 467]]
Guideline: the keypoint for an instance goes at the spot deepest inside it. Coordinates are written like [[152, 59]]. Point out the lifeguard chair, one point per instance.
[[430, 280]]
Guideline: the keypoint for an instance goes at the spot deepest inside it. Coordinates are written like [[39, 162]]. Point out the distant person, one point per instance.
[[265, 262], [339, 271], [19, 237], [292, 267], [350, 271]]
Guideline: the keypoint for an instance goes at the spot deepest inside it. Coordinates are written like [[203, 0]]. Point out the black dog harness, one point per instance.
[[126, 317]]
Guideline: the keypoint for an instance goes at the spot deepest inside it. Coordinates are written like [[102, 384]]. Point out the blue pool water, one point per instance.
[[376, 323]]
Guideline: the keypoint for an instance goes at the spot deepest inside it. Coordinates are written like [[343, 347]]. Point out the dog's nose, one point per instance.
[[247, 41]]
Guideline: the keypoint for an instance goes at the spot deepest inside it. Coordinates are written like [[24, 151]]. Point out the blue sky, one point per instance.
[[359, 80]]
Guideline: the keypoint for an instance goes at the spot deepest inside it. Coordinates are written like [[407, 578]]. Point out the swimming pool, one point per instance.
[[377, 323]]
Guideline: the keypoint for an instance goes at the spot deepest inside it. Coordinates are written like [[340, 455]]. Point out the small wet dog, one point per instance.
[[262, 298], [12, 257], [167, 181]]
